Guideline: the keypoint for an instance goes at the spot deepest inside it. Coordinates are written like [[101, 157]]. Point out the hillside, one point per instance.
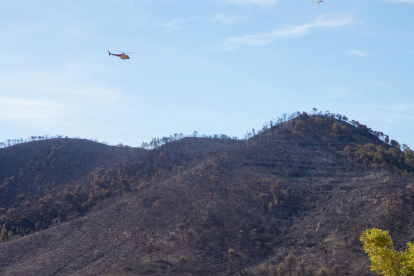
[[57, 160], [38, 170], [218, 207]]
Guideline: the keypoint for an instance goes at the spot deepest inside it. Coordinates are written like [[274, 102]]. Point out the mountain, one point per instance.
[[204, 206]]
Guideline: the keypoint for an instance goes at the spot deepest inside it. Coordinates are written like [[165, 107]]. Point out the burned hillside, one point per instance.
[[202, 206]]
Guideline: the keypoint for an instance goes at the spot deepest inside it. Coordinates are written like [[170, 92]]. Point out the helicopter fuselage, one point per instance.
[[122, 56]]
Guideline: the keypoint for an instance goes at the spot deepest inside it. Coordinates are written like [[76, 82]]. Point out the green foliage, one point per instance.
[[338, 130], [384, 259], [380, 156], [300, 128]]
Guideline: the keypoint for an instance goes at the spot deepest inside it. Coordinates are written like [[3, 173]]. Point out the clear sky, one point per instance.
[[212, 66]]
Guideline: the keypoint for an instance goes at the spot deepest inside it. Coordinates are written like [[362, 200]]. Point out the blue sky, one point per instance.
[[212, 66]]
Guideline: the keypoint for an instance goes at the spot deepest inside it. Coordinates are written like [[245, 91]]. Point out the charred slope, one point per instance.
[[164, 162], [292, 189], [59, 201], [35, 177], [40, 166]]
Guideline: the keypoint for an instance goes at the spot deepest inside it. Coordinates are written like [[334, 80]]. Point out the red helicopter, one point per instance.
[[122, 55]]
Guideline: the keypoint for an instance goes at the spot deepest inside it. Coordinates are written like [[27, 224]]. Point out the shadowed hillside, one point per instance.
[[220, 207], [34, 174], [55, 160]]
